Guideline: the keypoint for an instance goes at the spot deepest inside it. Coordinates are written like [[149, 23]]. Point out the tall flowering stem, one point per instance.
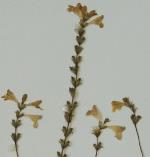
[[17, 122], [117, 105], [76, 81]]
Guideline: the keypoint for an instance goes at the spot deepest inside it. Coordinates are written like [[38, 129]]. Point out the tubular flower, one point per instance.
[[118, 130], [98, 21], [36, 104], [95, 112], [10, 96], [117, 105], [34, 119]]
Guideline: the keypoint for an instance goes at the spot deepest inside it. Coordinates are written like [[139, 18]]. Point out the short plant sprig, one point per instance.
[[103, 125], [135, 118], [84, 16], [17, 122]]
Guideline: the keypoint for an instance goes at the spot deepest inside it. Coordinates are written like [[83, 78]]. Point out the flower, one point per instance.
[[118, 130], [10, 96], [36, 104], [34, 119], [95, 112], [82, 11], [79, 10], [117, 105], [98, 21]]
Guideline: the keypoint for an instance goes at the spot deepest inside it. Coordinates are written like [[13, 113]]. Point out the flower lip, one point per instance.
[[34, 119], [118, 130]]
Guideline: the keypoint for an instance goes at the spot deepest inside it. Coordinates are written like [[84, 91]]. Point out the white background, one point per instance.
[[36, 43]]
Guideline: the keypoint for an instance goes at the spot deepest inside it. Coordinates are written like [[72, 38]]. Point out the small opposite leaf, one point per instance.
[[72, 91], [78, 49]]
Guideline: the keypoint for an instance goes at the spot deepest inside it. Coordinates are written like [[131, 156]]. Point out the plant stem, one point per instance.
[[16, 144], [75, 85], [96, 149], [139, 141]]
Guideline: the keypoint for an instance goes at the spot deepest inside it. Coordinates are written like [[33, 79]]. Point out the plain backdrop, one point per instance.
[[36, 43]]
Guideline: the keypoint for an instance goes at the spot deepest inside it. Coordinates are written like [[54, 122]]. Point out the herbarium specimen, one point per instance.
[[85, 19], [103, 124], [126, 102], [20, 113]]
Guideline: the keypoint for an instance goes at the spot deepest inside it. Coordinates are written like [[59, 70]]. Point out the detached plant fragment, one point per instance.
[[103, 124], [135, 118], [20, 113]]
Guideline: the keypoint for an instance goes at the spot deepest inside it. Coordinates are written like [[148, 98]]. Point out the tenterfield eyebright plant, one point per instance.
[[102, 125], [85, 19], [135, 118], [20, 114]]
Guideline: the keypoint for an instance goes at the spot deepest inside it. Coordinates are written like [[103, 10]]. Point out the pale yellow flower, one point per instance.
[[79, 10], [82, 11], [118, 130], [10, 96], [95, 112], [98, 21], [34, 119], [117, 105], [36, 104]]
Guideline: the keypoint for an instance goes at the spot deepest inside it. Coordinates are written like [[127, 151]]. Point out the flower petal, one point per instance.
[[36, 104], [117, 105], [98, 21], [34, 119], [118, 130], [95, 112]]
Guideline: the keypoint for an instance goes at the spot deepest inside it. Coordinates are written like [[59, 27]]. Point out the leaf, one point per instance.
[[18, 136], [19, 115], [72, 91], [81, 32], [80, 40], [78, 82], [73, 81], [64, 129], [65, 155], [70, 131], [67, 144], [24, 98], [74, 70], [78, 49], [58, 154], [67, 116], [14, 123], [13, 136]]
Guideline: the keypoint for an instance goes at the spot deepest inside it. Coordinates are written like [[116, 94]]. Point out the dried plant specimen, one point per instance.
[[20, 113], [135, 118], [103, 124], [85, 19]]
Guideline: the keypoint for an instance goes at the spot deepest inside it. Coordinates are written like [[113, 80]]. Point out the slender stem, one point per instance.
[[16, 144], [72, 100], [139, 141], [96, 149]]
